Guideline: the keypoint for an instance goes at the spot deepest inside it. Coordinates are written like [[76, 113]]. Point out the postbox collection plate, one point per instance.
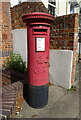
[[40, 43]]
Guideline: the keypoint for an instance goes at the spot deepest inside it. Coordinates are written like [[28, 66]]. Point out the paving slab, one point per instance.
[[61, 104], [66, 107]]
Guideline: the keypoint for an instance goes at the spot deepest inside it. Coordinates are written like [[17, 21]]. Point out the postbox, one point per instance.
[[38, 36]]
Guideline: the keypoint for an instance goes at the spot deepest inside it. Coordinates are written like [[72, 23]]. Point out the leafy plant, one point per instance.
[[16, 63], [73, 88]]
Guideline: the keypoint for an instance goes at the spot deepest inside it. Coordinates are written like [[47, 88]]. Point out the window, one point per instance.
[[52, 2], [52, 6], [73, 5], [80, 11], [72, 9]]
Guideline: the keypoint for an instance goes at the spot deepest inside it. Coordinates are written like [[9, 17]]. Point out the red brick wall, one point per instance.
[[64, 35], [6, 39], [26, 7]]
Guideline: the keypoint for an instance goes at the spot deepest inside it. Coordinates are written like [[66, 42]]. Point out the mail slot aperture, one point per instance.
[[39, 31]]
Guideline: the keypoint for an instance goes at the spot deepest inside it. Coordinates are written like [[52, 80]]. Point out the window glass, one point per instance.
[[72, 10], [52, 2], [52, 6], [80, 11]]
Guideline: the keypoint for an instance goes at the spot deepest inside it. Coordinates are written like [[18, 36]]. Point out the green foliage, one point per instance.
[[73, 88], [16, 63]]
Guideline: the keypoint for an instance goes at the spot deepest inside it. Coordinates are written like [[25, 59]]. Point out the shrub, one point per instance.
[[16, 63]]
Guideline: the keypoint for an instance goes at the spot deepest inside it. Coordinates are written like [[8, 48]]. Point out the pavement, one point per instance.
[[61, 104]]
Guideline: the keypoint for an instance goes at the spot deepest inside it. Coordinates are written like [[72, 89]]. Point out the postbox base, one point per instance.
[[37, 96]]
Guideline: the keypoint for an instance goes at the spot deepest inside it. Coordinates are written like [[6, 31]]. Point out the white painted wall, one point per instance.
[[13, 2], [61, 67], [61, 7], [45, 2], [20, 42]]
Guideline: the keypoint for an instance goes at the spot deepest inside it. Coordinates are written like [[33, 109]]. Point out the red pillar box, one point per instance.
[[38, 36]]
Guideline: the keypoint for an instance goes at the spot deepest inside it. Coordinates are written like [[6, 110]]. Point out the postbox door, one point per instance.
[[39, 61]]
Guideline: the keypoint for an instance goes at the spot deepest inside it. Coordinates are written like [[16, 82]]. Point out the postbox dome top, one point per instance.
[[38, 17]]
